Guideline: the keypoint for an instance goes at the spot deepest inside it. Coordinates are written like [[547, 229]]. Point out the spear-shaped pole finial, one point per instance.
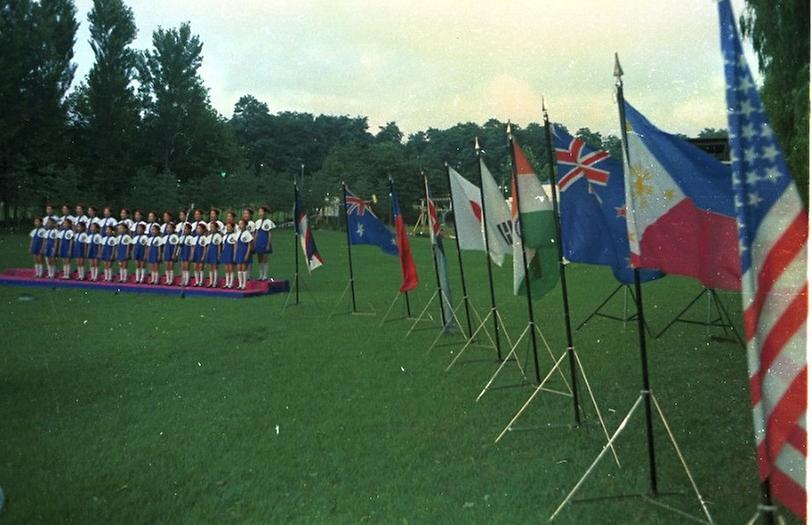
[[509, 129], [618, 70], [476, 144]]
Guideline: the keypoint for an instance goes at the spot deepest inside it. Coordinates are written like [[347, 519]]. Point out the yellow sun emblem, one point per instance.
[[641, 189]]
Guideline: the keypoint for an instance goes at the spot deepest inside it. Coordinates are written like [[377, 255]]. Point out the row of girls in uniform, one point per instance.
[[192, 244]]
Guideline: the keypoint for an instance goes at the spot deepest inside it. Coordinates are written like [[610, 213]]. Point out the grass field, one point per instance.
[[153, 409]]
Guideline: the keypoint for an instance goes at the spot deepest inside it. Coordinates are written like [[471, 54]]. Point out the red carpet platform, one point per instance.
[[25, 277]]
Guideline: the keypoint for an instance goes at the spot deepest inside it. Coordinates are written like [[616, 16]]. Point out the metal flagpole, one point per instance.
[[434, 250], [296, 243], [561, 269], [462, 271], [530, 319], [478, 151], [349, 249], [641, 324]]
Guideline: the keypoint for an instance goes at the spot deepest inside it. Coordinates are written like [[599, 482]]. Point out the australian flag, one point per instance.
[[364, 227], [592, 204]]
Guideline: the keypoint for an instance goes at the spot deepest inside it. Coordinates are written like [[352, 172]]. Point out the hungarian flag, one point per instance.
[[537, 227], [679, 202], [306, 239], [407, 267], [773, 235]]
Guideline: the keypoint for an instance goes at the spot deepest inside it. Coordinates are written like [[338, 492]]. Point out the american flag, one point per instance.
[[773, 232]]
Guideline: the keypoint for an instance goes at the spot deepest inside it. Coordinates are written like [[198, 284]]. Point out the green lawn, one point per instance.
[[153, 409]]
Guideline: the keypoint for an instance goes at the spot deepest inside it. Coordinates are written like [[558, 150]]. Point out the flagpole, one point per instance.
[[530, 317], [434, 251], [349, 249], [482, 199], [462, 271], [561, 268], [641, 323], [296, 241], [392, 218]]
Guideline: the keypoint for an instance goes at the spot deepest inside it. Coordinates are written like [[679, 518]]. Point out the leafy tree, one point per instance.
[[183, 134], [106, 112], [389, 133], [37, 40], [711, 133], [780, 35]]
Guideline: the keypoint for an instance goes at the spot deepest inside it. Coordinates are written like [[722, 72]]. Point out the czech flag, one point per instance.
[[311, 253]]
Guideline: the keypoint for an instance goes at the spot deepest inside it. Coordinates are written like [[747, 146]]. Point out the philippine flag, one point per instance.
[[680, 210]]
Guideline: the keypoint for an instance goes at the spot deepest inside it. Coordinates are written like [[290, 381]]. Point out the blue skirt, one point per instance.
[[227, 257], [197, 256], [213, 254], [64, 249], [185, 252], [93, 251], [139, 251], [169, 252], [263, 244], [78, 251], [36, 245], [50, 247], [152, 254], [107, 253], [242, 251], [122, 252]]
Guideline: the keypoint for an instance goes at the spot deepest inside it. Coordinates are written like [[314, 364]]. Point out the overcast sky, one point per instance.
[[433, 63]]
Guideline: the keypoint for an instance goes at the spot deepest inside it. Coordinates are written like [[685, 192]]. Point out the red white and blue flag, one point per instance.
[[773, 233], [440, 261], [407, 267], [679, 207], [305, 235]]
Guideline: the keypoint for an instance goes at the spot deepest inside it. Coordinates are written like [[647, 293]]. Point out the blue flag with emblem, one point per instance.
[[365, 227], [592, 205]]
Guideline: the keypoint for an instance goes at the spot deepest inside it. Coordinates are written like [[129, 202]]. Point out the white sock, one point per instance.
[[125, 272], [171, 279]]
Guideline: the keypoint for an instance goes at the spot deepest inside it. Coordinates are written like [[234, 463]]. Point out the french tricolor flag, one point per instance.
[[681, 217]]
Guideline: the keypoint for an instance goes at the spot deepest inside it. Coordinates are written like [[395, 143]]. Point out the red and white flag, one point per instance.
[[773, 232]]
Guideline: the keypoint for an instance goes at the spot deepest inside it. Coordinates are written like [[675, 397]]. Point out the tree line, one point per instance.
[[139, 130]]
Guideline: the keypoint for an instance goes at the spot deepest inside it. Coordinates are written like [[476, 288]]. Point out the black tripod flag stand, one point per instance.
[[721, 320], [574, 359], [532, 330], [350, 287], [405, 295], [598, 312], [493, 313], [646, 397], [294, 291], [445, 304]]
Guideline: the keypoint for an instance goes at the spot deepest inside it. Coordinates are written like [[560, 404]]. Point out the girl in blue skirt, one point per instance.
[[154, 253], [108, 251], [170, 241], [242, 255], [212, 255], [185, 245], [197, 253], [262, 245], [64, 245], [227, 255], [94, 250], [123, 249], [79, 250], [38, 235], [139, 251], [50, 246]]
